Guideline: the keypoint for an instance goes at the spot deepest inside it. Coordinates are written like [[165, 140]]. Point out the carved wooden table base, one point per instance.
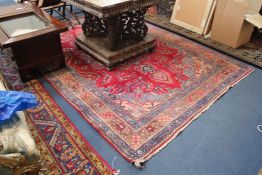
[[114, 31], [128, 25], [116, 38]]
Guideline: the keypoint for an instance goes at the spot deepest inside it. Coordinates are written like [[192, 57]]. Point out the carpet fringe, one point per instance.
[[116, 172], [140, 163]]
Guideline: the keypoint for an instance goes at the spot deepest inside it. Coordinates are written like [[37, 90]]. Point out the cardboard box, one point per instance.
[[255, 19], [210, 18], [229, 25], [192, 14]]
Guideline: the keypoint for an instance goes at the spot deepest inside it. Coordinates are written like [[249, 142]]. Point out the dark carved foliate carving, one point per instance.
[[128, 25], [132, 24], [94, 26]]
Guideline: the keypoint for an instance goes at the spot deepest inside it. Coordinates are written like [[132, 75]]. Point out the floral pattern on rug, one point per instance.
[[144, 103]]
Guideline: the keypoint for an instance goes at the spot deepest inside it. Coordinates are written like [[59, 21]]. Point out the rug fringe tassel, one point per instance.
[[140, 163], [116, 172]]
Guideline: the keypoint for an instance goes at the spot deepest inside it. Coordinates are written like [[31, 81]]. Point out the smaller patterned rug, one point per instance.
[[62, 147], [144, 103]]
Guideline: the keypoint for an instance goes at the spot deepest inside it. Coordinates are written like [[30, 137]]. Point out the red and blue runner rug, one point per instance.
[[144, 103], [62, 147]]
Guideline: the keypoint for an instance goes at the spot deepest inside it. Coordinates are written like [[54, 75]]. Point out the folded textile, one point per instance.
[[12, 101]]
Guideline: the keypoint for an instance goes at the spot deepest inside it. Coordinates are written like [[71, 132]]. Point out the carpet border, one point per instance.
[[90, 123]]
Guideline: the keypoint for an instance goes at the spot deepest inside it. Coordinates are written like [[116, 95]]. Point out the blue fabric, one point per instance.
[[12, 101]]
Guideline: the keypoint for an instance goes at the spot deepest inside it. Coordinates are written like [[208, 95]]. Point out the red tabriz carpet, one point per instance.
[[63, 149], [143, 104]]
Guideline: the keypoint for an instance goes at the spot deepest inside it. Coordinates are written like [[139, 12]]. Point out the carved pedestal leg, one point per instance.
[[113, 31]]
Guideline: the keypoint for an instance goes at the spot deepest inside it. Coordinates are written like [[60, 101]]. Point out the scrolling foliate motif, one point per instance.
[[132, 24], [94, 26]]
